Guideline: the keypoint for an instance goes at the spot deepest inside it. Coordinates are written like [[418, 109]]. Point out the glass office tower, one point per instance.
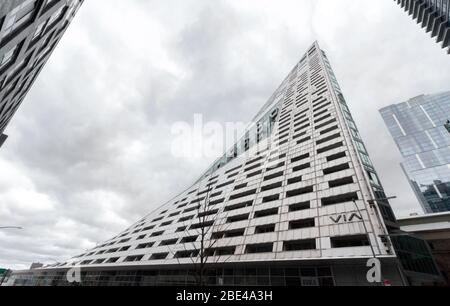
[[421, 129]]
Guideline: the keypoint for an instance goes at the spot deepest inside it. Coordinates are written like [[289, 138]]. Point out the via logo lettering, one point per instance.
[[344, 218], [374, 273], [74, 275]]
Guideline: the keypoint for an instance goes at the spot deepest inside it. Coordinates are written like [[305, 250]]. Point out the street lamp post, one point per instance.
[[387, 236], [373, 206], [365, 228], [372, 203]]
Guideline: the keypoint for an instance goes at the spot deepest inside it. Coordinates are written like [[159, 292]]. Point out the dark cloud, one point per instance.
[[89, 151]]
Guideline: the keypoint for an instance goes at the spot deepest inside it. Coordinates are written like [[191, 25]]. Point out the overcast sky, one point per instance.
[[89, 150]]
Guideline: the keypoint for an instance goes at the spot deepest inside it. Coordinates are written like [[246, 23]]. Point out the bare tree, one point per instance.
[[206, 232], [206, 226]]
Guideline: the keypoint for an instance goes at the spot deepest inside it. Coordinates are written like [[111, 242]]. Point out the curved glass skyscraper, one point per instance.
[[433, 16], [29, 32]]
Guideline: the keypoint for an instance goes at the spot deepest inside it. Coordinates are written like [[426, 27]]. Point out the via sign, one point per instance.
[[346, 218]]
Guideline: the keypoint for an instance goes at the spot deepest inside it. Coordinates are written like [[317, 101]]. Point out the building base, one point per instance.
[[300, 273]]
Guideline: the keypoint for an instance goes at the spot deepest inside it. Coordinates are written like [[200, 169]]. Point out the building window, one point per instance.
[[168, 242], [39, 30], [259, 248], [341, 182], [263, 229], [241, 186], [227, 251], [186, 254], [228, 234], [207, 213], [9, 56], [238, 218], [86, 262], [272, 186], [295, 180], [189, 239], [336, 156], [343, 198], [187, 218], [49, 3], [145, 245], [242, 195], [329, 138], [181, 229], [18, 17], [299, 206], [271, 198], [166, 223], [16, 70], [188, 210], [156, 234], [350, 241], [254, 174], [373, 178], [159, 256], [273, 176], [299, 158], [300, 224], [134, 258], [300, 191], [330, 147], [56, 15], [266, 213], [335, 169], [202, 225], [238, 206], [299, 245], [148, 228]]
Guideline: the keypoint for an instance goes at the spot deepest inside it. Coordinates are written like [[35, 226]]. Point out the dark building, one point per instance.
[[433, 16], [29, 32], [4, 275], [3, 138], [435, 229]]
